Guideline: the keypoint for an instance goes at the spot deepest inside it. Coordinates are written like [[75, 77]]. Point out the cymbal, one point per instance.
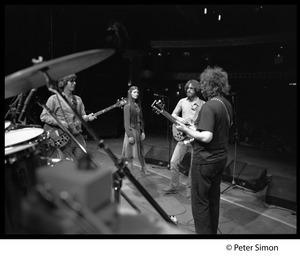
[[29, 78]]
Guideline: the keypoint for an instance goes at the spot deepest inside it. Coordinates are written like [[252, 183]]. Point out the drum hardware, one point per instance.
[[26, 102], [123, 170], [14, 109], [17, 156], [51, 161]]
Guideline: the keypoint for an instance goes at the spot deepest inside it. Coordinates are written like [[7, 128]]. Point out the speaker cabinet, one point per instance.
[[158, 156], [281, 191], [246, 175]]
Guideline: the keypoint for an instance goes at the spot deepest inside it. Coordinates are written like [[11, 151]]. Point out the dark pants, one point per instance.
[[205, 196]]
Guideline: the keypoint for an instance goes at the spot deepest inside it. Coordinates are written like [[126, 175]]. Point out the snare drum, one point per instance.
[[28, 136], [24, 135]]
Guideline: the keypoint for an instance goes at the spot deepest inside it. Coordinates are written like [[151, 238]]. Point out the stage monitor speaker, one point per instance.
[[281, 192], [158, 156], [91, 188], [246, 175]]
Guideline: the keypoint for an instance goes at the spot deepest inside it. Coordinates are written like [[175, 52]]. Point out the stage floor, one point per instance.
[[243, 211]]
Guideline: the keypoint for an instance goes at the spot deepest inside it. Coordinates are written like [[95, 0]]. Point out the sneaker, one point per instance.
[[145, 172], [188, 193], [170, 190]]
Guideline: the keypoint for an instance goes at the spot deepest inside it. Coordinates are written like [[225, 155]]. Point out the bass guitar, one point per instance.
[[58, 138], [158, 107]]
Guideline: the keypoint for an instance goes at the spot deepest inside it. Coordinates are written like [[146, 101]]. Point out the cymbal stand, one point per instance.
[[62, 127], [233, 183], [117, 184], [13, 110], [122, 168]]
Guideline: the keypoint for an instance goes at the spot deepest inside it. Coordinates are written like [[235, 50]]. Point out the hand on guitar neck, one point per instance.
[[158, 107]]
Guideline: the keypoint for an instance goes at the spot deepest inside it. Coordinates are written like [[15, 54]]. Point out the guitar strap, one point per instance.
[[228, 117]]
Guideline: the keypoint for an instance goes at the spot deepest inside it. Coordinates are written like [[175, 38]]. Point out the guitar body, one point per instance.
[[181, 136], [158, 107], [58, 138]]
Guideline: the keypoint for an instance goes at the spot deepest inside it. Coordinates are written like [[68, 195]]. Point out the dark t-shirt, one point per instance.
[[213, 118]]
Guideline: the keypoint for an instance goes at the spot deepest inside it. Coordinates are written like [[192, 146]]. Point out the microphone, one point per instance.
[[32, 91], [233, 93], [159, 95]]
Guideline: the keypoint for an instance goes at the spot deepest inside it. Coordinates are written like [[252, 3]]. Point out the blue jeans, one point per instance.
[[180, 150], [205, 196]]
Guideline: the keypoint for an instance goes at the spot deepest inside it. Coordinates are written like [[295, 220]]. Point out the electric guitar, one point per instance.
[[58, 138], [158, 107]]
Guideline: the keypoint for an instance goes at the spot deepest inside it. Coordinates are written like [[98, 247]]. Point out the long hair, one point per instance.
[[62, 84], [63, 81], [195, 85], [131, 101], [213, 82]]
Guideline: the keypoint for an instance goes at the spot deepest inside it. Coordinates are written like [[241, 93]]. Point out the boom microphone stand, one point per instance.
[[117, 184], [233, 183], [122, 168]]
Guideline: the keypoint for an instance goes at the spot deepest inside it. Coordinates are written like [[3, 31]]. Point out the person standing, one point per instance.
[[186, 112], [210, 149], [67, 117], [134, 130]]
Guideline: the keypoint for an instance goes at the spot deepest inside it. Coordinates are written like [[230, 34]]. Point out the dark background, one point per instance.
[[159, 48]]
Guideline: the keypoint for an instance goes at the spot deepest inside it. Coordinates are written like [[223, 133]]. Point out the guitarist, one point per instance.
[[66, 116], [186, 112]]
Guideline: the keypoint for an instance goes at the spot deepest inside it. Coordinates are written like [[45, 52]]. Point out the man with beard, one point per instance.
[[185, 112], [210, 147]]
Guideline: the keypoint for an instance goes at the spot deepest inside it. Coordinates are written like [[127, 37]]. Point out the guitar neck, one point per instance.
[[105, 110], [168, 116]]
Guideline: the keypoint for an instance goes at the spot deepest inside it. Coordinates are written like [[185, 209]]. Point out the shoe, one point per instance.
[[170, 190], [188, 193], [145, 172]]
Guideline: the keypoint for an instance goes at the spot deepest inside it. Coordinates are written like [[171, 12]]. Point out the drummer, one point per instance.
[[67, 118]]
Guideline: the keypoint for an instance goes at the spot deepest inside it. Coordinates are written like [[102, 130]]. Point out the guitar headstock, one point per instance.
[[158, 106], [121, 102]]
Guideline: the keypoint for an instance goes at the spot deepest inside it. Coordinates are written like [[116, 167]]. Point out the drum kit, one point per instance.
[[26, 144]]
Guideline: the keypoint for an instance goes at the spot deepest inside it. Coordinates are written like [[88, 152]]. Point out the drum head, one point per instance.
[[12, 150], [14, 137], [7, 124]]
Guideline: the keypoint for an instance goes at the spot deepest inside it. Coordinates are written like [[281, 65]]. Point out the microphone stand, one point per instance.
[[123, 170], [117, 184], [233, 183]]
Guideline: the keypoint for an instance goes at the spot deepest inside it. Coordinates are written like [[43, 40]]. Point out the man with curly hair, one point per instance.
[[210, 147]]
